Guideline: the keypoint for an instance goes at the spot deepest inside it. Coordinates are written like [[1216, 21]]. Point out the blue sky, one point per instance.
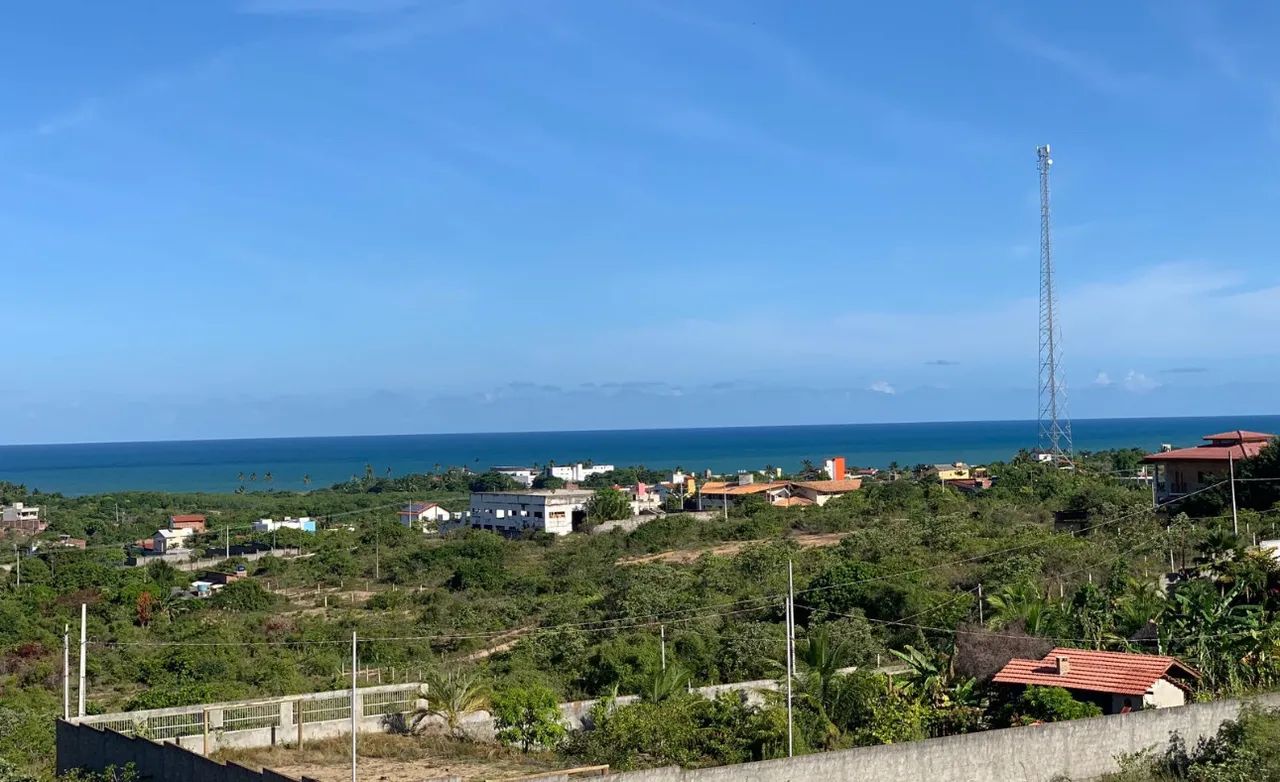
[[282, 217]]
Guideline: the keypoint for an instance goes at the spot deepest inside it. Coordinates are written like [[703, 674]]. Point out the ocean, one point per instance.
[[214, 465]]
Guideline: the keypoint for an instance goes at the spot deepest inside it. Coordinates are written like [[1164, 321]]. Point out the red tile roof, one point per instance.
[[751, 488], [1208, 453], [1241, 435], [832, 487], [187, 517], [793, 502], [1119, 673]]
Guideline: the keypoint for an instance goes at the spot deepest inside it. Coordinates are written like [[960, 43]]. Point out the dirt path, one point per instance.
[[500, 644], [687, 556]]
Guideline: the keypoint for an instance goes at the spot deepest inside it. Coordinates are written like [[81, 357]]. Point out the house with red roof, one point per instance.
[[424, 516], [192, 521], [1118, 682], [1181, 471]]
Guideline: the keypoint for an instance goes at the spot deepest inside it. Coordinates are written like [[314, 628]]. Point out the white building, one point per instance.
[[166, 541], [521, 475], [575, 473], [303, 524], [643, 499], [546, 510], [22, 517], [426, 516]]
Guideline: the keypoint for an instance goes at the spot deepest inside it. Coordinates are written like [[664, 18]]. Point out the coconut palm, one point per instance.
[[450, 695], [268, 477], [1021, 602], [666, 683], [306, 479]]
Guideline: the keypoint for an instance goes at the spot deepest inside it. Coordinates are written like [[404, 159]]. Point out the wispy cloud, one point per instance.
[[882, 387], [1103, 380], [1084, 66], [942, 362]]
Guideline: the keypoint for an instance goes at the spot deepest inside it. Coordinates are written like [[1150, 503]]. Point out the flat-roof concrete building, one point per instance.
[[547, 510]]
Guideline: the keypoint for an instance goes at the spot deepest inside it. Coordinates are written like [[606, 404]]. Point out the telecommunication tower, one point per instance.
[[1055, 426]]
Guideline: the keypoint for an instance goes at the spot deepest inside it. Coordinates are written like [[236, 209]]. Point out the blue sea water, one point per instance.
[[213, 465]]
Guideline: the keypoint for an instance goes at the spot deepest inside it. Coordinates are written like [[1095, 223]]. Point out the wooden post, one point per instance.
[[204, 714]]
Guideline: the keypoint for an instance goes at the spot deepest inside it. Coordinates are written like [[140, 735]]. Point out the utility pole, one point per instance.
[[227, 529], [66, 671], [377, 552], [17, 557], [84, 645], [791, 656], [981, 620], [1055, 427], [663, 630], [354, 718], [1235, 518]]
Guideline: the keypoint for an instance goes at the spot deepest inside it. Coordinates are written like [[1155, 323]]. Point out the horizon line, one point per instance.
[[621, 430]]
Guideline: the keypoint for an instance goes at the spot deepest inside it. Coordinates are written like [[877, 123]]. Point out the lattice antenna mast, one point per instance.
[[1055, 426]]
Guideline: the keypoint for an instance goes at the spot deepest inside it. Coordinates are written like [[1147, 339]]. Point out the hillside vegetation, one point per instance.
[[540, 617]]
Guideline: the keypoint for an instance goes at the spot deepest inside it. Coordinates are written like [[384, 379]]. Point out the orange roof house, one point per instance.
[[193, 521], [1182, 471], [1116, 681]]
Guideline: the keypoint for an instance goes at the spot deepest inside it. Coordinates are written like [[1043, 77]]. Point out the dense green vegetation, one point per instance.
[[581, 617], [1244, 750]]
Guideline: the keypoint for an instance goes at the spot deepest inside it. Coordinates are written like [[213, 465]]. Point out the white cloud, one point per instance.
[[1103, 380], [882, 387], [1139, 383]]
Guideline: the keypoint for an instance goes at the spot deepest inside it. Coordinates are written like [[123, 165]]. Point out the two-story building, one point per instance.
[[167, 541], [191, 521], [19, 517], [576, 473], [1181, 471], [554, 511]]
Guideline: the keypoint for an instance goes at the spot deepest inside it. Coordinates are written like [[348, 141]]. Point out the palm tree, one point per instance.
[[450, 695], [306, 479], [1021, 602], [253, 476], [268, 477], [368, 472], [240, 477], [822, 657], [666, 683], [388, 472]]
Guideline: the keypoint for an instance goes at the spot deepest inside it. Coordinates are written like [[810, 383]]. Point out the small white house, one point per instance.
[[303, 524], [426, 516], [166, 541]]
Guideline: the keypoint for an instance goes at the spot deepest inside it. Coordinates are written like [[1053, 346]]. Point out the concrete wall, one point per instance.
[[87, 747], [1080, 750]]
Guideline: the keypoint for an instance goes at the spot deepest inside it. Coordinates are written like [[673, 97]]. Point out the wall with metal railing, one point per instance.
[[292, 719]]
